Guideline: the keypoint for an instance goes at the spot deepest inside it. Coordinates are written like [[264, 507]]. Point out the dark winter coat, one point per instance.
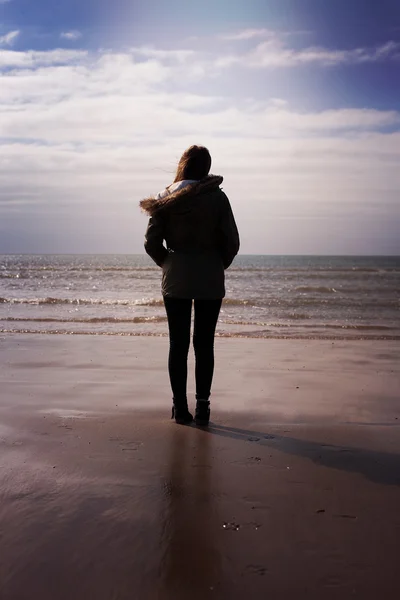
[[201, 236]]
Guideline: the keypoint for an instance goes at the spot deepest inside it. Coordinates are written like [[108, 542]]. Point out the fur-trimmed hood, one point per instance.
[[153, 205]]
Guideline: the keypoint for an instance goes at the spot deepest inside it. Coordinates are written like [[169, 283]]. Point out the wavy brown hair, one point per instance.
[[195, 163]]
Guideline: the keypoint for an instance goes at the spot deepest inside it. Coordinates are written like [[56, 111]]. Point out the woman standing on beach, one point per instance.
[[194, 217]]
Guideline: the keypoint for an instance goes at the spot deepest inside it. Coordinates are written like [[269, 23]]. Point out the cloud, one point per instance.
[[159, 54], [9, 38], [84, 131], [71, 35], [274, 53], [279, 102], [68, 96], [246, 34], [34, 58], [76, 96]]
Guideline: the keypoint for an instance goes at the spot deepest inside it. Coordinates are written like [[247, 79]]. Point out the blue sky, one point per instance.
[[298, 102]]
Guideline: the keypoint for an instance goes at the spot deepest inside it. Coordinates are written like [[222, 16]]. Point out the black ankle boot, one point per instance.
[[181, 414], [202, 416]]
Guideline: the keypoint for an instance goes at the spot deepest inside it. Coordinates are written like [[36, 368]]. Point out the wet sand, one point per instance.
[[293, 491]]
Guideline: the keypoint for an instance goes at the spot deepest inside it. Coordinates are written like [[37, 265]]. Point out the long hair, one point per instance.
[[195, 163]]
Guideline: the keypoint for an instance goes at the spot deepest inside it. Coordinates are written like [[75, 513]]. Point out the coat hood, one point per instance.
[[153, 205]]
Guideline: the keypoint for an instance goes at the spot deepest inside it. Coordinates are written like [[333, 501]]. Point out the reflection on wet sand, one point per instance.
[[101, 499], [191, 564]]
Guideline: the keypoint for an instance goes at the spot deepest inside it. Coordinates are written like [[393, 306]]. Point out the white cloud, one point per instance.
[[74, 96], [105, 129], [274, 53], [111, 98], [71, 35], [280, 102], [34, 58], [9, 38], [246, 34], [178, 55]]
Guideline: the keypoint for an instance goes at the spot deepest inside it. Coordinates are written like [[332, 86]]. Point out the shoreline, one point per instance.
[[247, 335]]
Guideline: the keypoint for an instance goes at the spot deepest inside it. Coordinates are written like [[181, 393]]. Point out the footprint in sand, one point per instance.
[[255, 570]]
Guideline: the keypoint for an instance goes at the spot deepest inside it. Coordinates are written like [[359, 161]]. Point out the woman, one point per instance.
[[194, 217]]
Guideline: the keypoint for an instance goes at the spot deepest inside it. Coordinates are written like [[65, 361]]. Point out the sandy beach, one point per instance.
[[292, 492]]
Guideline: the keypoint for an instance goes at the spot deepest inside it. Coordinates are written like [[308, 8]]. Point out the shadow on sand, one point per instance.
[[379, 467]]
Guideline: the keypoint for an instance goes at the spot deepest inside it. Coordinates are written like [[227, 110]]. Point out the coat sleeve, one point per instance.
[[153, 241], [228, 232]]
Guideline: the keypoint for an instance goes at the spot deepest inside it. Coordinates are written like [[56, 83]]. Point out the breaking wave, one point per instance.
[[336, 300], [150, 320], [79, 301], [319, 289]]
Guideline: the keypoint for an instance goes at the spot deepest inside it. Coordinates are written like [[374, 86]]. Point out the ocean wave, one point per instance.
[[242, 322], [106, 302], [69, 269], [51, 300], [238, 302], [83, 332], [336, 301], [149, 302], [294, 317], [301, 269], [79, 301], [317, 270], [346, 326], [316, 325], [361, 289], [319, 289], [149, 320], [344, 276]]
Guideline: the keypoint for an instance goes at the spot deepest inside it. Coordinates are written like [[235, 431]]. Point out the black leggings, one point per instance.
[[179, 311]]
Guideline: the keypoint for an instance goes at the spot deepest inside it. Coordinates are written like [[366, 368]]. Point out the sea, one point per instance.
[[303, 297]]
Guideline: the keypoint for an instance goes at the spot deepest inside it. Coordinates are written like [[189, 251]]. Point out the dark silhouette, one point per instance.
[[380, 467], [194, 217]]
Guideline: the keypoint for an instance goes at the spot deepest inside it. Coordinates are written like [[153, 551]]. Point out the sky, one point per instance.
[[298, 102]]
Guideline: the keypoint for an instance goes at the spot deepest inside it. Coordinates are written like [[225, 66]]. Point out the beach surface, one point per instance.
[[292, 492]]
